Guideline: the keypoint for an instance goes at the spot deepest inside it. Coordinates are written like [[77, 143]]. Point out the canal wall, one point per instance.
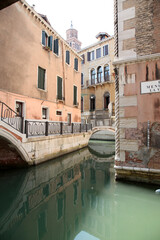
[[21, 151]]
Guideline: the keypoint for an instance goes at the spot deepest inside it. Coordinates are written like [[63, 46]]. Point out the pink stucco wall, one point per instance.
[[20, 56]]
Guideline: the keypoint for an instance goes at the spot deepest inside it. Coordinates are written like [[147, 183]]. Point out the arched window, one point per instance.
[[93, 74], [106, 100], [92, 103], [106, 73], [99, 74]]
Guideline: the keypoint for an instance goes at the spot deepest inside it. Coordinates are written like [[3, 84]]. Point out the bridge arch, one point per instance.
[[109, 132], [11, 146]]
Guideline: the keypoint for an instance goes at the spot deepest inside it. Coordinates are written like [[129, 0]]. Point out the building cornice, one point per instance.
[[136, 59], [46, 25], [95, 44]]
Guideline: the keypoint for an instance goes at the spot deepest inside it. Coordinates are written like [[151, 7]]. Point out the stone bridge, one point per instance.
[[18, 149]]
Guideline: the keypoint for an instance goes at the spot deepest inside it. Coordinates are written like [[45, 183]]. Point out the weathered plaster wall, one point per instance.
[[20, 56], [138, 61]]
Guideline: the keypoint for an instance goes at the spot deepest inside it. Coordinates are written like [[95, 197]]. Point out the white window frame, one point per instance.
[[45, 80], [47, 108]]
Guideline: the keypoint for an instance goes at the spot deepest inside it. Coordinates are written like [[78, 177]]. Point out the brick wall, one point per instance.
[[156, 24], [147, 27]]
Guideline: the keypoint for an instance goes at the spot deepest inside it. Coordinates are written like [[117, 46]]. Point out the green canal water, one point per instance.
[[77, 198]]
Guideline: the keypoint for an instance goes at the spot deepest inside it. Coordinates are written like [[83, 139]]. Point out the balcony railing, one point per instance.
[[39, 128], [10, 117], [105, 79]]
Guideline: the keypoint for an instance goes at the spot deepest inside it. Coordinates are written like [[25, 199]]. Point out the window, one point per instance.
[[44, 113], [106, 100], [41, 78], [82, 104], [50, 41], [67, 57], [76, 64], [82, 79], [90, 56], [105, 50], [99, 74], [92, 103], [106, 73], [93, 74], [59, 113], [56, 46], [83, 58], [44, 38], [75, 95], [69, 118], [47, 41], [60, 205], [42, 225], [59, 88], [19, 109], [98, 53]]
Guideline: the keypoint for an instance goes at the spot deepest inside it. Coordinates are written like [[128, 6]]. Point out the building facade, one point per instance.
[[40, 72], [97, 81], [137, 84], [72, 38]]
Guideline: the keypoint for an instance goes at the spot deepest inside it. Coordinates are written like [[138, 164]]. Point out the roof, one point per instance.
[[102, 34], [95, 44], [45, 18]]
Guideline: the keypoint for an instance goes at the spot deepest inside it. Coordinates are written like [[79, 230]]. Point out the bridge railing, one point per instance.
[[45, 128], [10, 117]]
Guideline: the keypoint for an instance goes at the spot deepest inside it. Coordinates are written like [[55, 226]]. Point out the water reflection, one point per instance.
[[75, 198]]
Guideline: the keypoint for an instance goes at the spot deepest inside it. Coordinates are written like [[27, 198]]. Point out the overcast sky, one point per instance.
[[89, 17]]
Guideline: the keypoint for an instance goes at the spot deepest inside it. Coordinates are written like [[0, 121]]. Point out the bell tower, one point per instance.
[[72, 38]]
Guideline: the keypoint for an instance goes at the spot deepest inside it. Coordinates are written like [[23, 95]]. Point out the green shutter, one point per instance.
[[50, 40], [76, 64], [75, 95], [56, 46], [67, 57], [43, 38], [41, 78], [59, 88]]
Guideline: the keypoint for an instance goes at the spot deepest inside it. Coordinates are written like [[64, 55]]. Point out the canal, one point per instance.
[[77, 198]]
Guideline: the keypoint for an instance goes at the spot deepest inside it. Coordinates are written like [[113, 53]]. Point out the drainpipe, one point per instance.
[[148, 134]]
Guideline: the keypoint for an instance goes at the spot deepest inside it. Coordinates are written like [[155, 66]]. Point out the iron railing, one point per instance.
[[39, 128], [10, 117], [104, 79]]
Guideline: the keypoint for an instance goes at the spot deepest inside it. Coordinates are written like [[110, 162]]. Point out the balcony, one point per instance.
[[104, 80]]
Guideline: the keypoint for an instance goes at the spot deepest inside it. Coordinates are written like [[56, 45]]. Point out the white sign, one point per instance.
[[150, 87]]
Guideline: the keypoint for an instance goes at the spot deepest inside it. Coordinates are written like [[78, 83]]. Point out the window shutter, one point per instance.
[[41, 78], [50, 40], [105, 50], [76, 64], [75, 96], [43, 38], [68, 57], [56, 46], [88, 56], [59, 88]]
